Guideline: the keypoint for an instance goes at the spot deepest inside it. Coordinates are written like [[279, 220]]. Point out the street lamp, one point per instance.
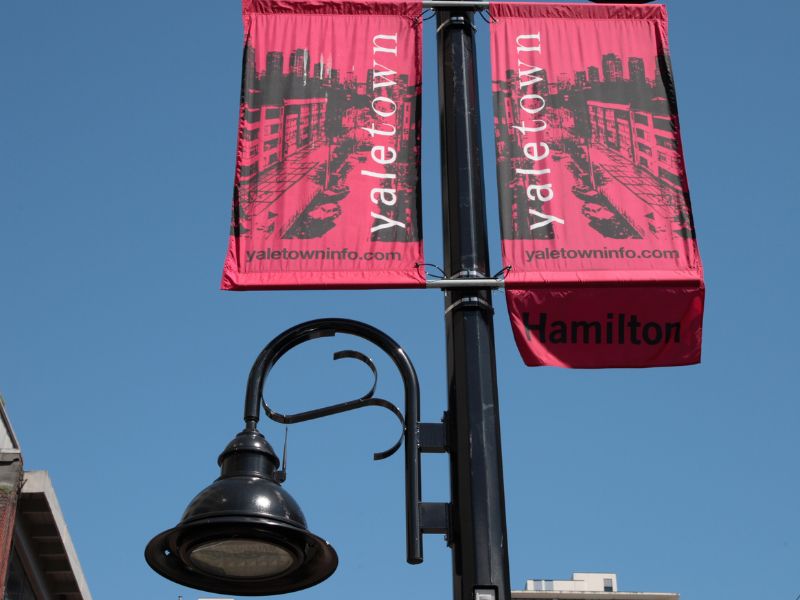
[[244, 534], [229, 543]]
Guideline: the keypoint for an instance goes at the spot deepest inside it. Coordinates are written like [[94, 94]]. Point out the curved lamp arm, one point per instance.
[[318, 328]]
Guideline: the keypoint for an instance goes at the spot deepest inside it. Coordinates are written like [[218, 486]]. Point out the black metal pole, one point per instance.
[[477, 516]]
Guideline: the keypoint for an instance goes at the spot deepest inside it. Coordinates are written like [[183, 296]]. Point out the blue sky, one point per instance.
[[123, 366]]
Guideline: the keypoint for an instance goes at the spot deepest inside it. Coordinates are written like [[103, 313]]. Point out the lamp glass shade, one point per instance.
[[241, 558]]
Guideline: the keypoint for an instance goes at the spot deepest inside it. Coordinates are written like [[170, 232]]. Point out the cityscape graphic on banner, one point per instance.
[[304, 139], [614, 126]]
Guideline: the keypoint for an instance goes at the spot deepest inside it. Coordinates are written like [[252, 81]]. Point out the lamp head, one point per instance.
[[243, 534]]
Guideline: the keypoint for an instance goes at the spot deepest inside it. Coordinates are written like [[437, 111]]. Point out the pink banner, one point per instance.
[[327, 167], [596, 219]]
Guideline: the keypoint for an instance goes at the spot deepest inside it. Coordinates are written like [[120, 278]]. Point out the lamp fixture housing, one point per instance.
[[243, 534]]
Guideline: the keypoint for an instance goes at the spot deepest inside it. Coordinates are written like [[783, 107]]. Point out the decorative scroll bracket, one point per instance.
[[421, 517]]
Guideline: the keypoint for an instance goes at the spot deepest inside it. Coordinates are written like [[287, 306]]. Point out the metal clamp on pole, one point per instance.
[[467, 279], [434, 517], [447, 283], [432, 437], [456, 20]]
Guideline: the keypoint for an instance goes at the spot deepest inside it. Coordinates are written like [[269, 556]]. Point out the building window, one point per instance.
[[273, 113], [248, 170], [275, 129], [670, 177], [666, 143], [640, 118], [548, 585], [643, 148], [250, 134], [252, 116], [662, 124], [608, 585], [643, 161], [640, 133]]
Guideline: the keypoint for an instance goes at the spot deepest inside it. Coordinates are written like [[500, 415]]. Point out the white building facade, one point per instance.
[[584, 586], [37, 558]]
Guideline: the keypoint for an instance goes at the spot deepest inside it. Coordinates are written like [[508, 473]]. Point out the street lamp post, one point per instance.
[[477, 505], [477, 534], [244, 534]]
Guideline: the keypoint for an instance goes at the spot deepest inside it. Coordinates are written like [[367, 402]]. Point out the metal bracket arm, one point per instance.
[[330, 327], [434, 517], [432, 437]]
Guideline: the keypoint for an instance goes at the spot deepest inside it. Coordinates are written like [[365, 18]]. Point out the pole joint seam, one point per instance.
[[471, 302], [456, 21]]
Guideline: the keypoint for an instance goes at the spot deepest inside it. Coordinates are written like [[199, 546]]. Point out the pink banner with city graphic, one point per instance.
[[327, 189], [596, 221]]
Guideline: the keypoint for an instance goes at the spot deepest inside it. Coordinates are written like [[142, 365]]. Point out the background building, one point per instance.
[[584, 586], [37, 558]]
